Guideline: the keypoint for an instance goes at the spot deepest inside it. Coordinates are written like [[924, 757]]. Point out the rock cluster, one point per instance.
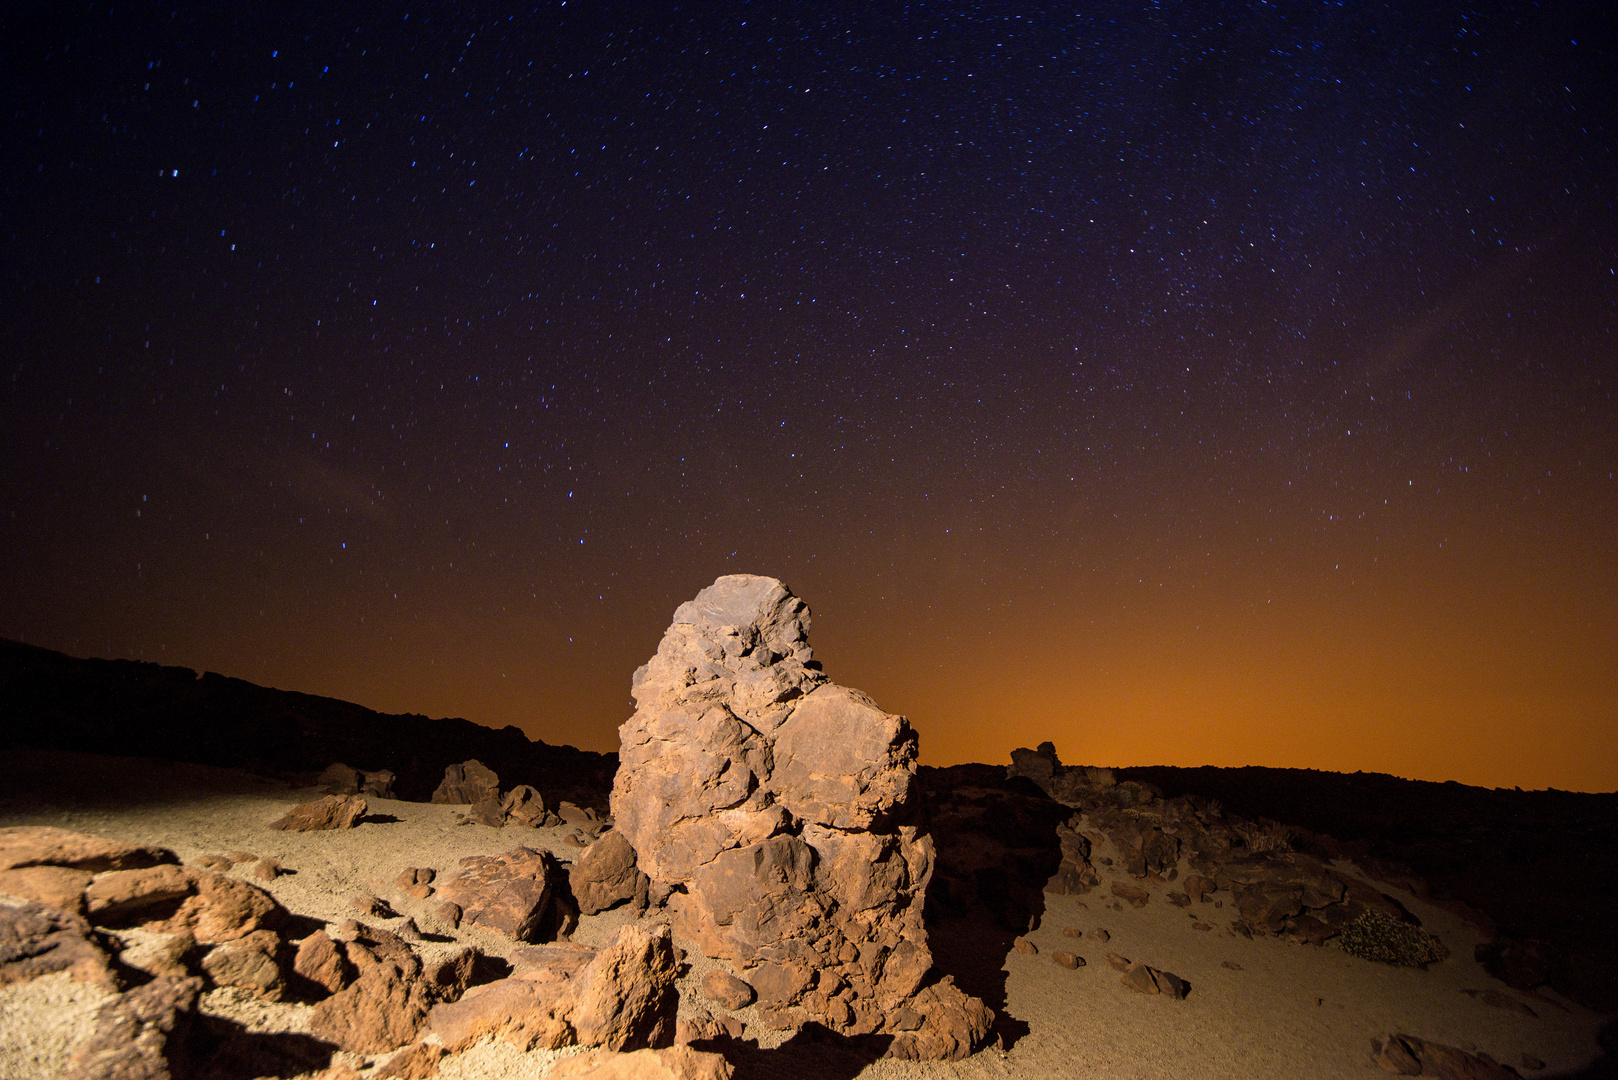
[[1406, 1055], [474, 784], [773, 809], [1274, 889], [621, 997]]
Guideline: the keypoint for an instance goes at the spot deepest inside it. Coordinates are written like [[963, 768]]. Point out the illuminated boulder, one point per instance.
[[774, 809]]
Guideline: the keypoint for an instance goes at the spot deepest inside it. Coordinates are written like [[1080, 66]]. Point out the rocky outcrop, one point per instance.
[[140, 1035], [1406, 1055], [606, 875], [37, 940], [469, 782], [621, 997], [331, 812], [773, 807], [517, 894]]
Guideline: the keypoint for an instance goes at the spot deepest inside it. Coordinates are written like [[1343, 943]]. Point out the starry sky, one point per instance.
[[1186, 383]]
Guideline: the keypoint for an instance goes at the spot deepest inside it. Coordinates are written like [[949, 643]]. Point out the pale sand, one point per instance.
[[1257, 1022]]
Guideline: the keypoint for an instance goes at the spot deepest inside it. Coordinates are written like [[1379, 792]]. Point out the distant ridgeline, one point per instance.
[[126, 707]]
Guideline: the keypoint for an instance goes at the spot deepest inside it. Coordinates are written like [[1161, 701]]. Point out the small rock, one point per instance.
[[1135, 894], [418, 892], [419, 1061], [250, 962], [160, 954], [524, 806], [213, 862], [449, 914], [37, 940], [415, 875], [1232, 965], [723, 988], [408, 930], [449, 976], [1149, 980], [267, 869], [605, 874], [467, 783], [374, 906], [320, 962], [1024, 946], [1072, 931], [1200, 926], [1532, 1063], [1500, 1000], [331, 812], [1067, 960], [1116, 962], [1099, 936], [1319, 1000], [140, 1035]]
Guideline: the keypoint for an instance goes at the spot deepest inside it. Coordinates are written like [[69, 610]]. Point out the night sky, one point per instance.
[[1213, 383]]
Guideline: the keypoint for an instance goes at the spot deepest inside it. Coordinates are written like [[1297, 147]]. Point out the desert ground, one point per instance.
[[1260, 1007]]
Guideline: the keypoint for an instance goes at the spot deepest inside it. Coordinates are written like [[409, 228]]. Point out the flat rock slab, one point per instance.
[[44, 845], [331, 812]]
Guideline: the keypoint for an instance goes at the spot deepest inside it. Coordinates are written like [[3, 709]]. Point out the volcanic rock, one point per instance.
[[37, 940], [723, 988], [1149, 980], [777, 807], [331, 812], [416, 1062], [339, 779], [621, 997], [122, 897], [386, 1006], [223, 909], [605, 874], [140, 1035], [513, 893], [322, 963], [44, 845], [251, 962], [1136, 895], [54, 886], [1520, 963], [469, 782], [1406, 1055], [523, 805]]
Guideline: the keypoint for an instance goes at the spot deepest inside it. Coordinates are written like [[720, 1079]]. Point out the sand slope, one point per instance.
[[1286, 1010]]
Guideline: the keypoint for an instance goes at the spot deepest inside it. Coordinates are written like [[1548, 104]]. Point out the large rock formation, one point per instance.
[[773, 807]]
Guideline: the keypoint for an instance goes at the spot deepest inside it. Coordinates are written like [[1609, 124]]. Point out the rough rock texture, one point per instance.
[[321, 964], [775, 808], [54, 886], [525, 806], [123, 896], [140, 1035], [469, 782], [723, 988], [1149, 980], [621, 997], [44, 845], [671, 1063], [1406, 1055], [605, 874], [515, 894], [331, 812], [418, 1062], [37, 940], [386, 1006], [253, 962]]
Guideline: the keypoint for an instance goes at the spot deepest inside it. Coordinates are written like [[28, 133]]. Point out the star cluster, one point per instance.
[[1225, 383]]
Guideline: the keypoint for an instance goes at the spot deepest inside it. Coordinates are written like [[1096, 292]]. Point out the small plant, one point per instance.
[[1380, 937], [1266, 835]]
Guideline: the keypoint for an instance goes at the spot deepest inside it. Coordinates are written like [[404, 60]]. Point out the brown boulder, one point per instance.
[[774, 810], [1406, 1055], [223, 909], [670, 1063], [37, 940], [382, 1010], [122, 897], [466, 783], [54, 886], [621, 997], [331, 812], [953, 1024], [140, 1035], [1136, 895], [416, 1062], [512, 893], [322, 963], [1149, 980], [723, 988], [252, 962], [525, 806], [605, 874], [44, 845]]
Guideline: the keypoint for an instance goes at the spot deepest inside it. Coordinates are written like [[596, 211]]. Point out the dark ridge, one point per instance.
[[1540, 864], [49, 700]]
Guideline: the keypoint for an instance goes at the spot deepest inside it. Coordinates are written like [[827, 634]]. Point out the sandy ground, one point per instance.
[[1283, 1010]]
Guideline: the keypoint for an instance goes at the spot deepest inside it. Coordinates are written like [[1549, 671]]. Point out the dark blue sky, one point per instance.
[[431, 357]]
